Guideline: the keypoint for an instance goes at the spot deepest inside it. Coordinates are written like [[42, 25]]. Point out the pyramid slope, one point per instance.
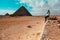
[[22, 12]]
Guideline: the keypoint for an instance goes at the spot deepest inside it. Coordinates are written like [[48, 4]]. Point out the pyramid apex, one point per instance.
[[22, 7]]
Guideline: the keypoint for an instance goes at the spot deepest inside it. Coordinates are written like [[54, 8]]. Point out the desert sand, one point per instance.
[[21, 28], [29, 28]]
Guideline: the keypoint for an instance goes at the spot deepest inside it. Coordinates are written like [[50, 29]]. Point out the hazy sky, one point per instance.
[[35, 7]]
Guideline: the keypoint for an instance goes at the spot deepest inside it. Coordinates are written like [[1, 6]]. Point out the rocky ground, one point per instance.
[[52, 30]]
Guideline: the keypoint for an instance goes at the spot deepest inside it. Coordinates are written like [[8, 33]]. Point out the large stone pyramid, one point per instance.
[[22, 11], [7, 14]]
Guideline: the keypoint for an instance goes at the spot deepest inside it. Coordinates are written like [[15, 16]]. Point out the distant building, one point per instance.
[[22, 11]]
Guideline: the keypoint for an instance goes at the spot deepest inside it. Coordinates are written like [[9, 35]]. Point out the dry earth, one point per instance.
[[21, 28], [29, 28], [52, 30]]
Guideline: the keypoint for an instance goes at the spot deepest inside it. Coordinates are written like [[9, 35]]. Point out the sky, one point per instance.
[[35, 7]]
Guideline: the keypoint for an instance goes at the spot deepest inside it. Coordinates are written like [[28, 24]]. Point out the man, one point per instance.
[[48, 14]]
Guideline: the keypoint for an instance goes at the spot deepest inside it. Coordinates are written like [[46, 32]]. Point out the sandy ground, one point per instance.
[[52, 30], [29, 28], [21, 28]]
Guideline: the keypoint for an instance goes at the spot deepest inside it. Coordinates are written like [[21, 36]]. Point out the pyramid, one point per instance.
[[22, 11], [6, 14]]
